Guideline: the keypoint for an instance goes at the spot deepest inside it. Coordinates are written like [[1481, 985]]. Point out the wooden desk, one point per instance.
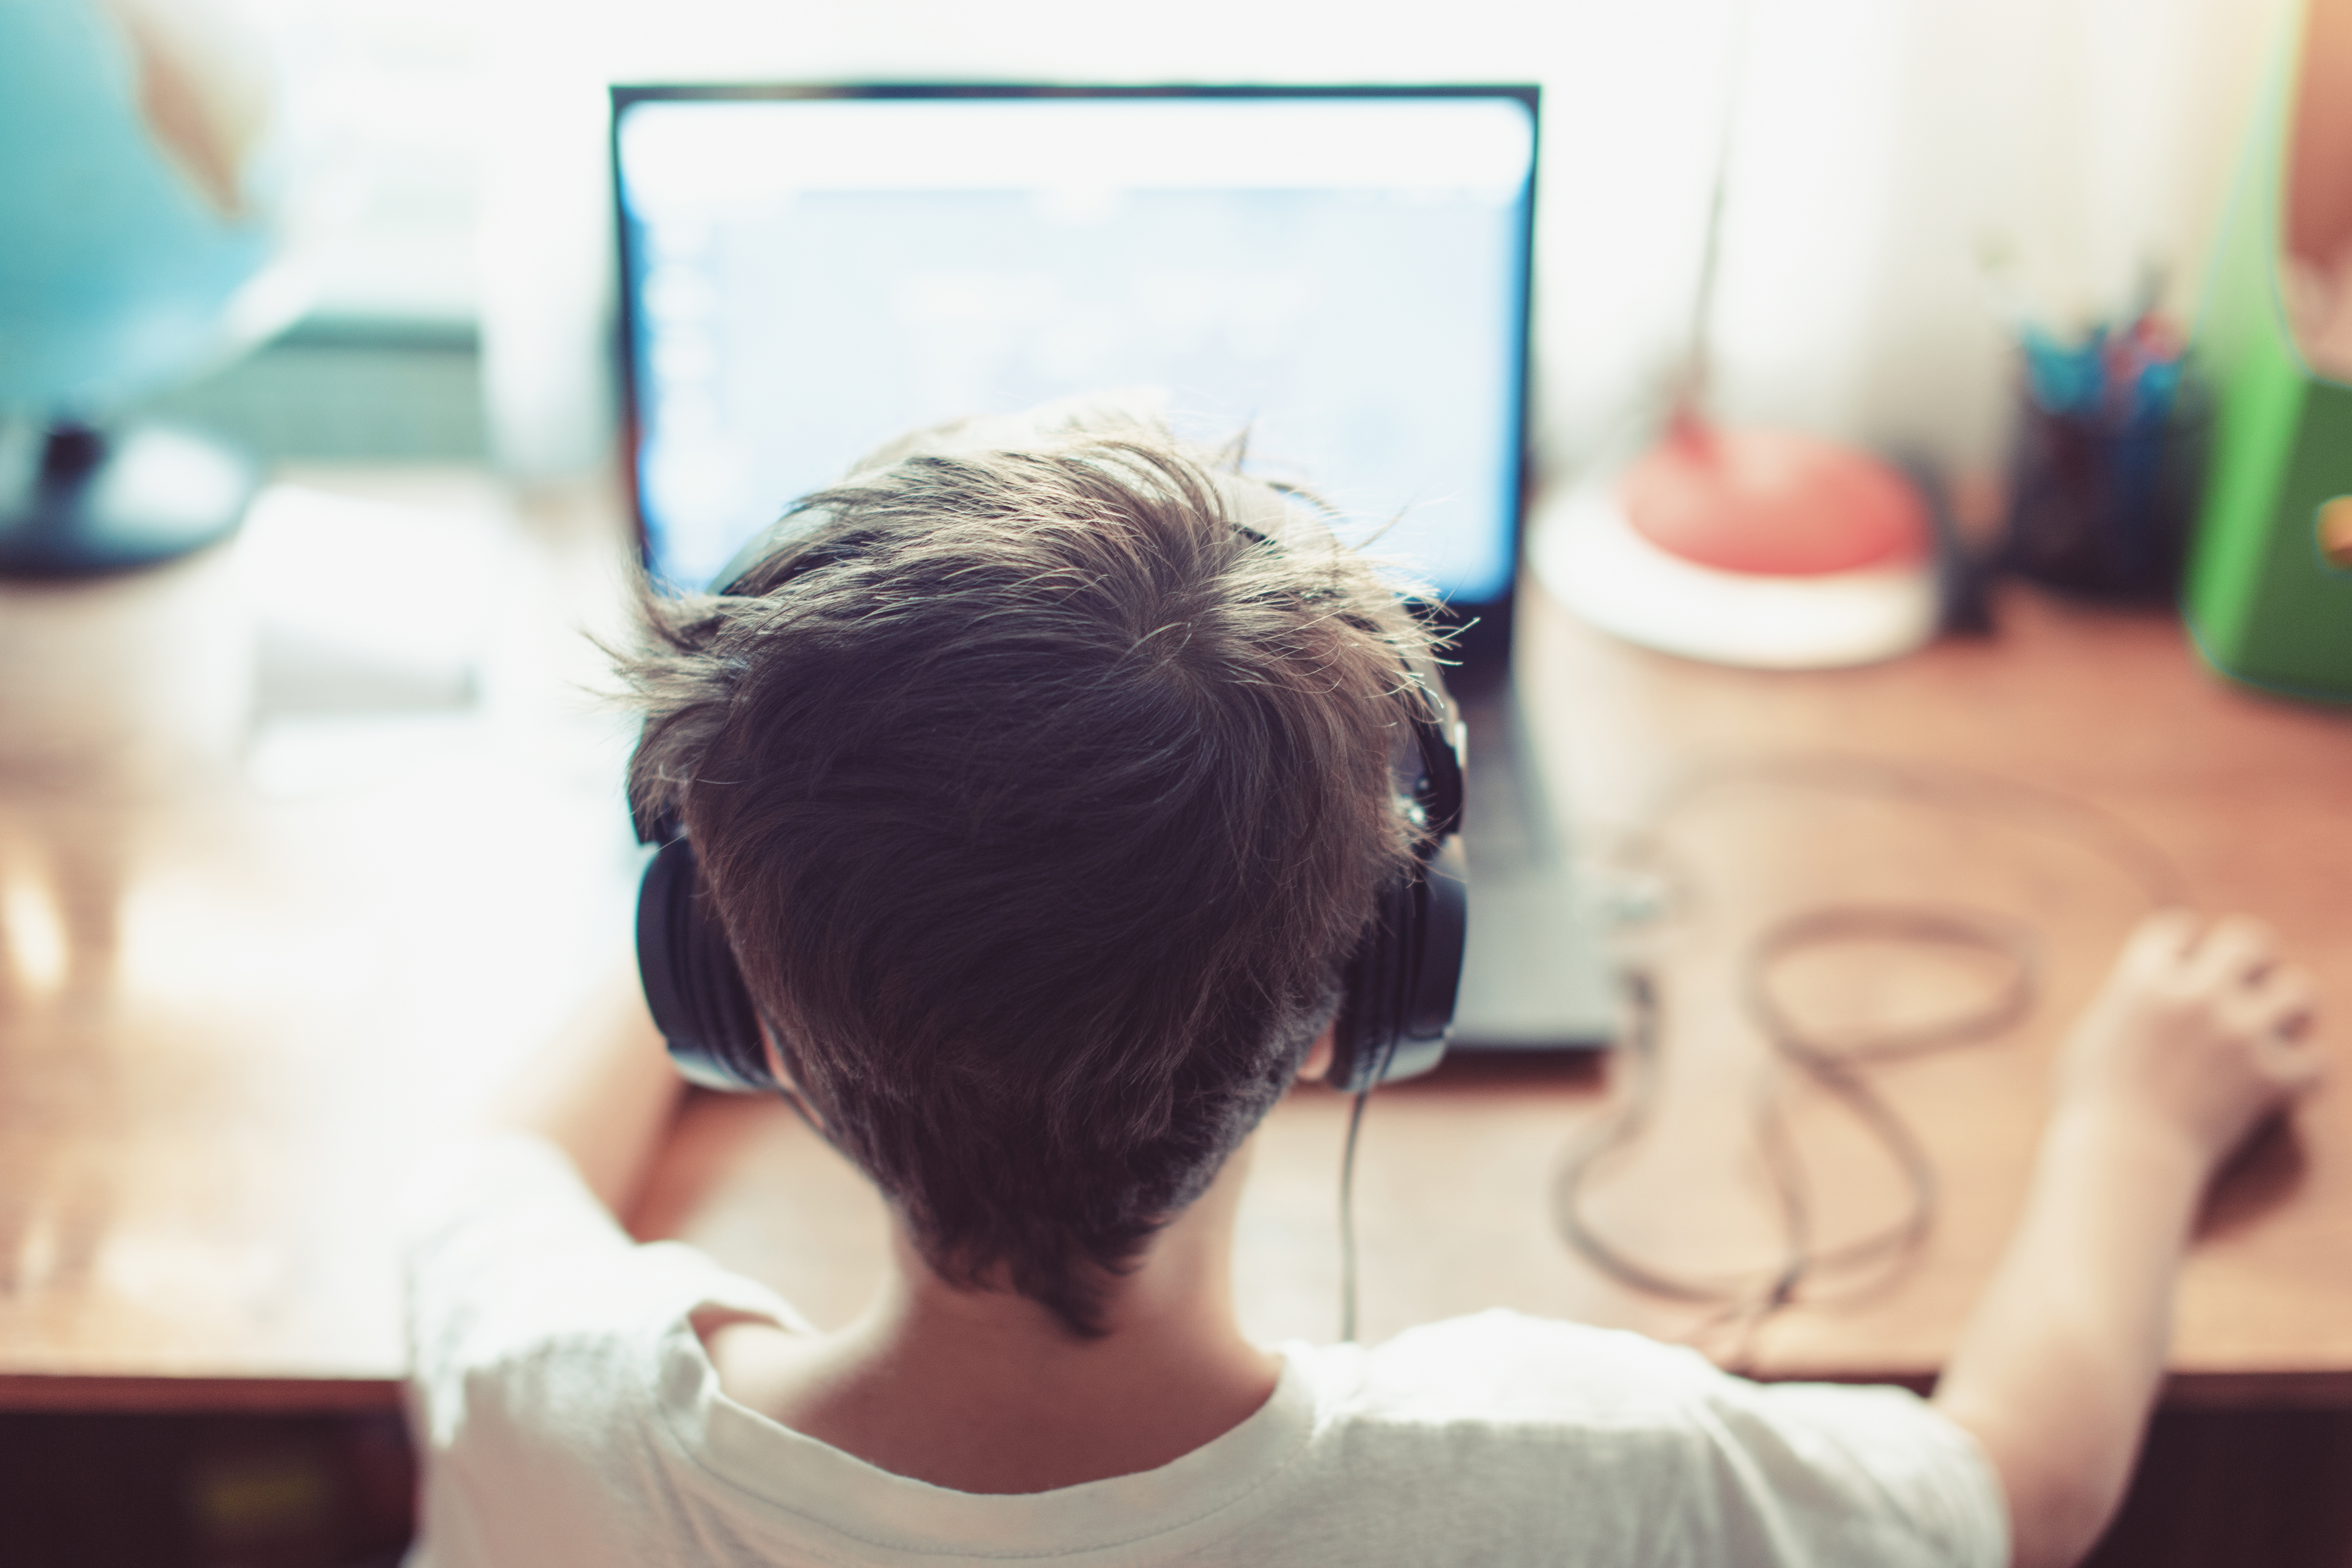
[[231, 1011], [246, 974], [2244, 795]]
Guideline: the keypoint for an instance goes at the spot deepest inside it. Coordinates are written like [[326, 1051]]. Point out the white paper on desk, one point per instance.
[[363, 606]]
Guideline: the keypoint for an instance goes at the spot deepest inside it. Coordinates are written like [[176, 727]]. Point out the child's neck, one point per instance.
[[987, 1392]]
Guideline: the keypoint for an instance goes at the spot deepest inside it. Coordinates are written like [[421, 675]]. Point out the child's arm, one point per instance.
[[602, 1089], [2198, 1034]]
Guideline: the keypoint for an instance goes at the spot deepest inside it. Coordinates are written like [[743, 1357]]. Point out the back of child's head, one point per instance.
[[1043, 790]]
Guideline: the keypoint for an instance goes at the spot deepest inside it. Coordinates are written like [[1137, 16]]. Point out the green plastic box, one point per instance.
[[2264, 600]]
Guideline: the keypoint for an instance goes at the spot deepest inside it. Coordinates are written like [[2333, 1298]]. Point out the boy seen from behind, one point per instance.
[[1044, 784]]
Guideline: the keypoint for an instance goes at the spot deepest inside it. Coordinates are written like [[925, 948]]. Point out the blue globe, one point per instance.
[[132, 199]]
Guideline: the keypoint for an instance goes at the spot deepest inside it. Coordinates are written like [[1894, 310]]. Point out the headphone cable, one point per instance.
[[1837, 1066], [1347, 1217]]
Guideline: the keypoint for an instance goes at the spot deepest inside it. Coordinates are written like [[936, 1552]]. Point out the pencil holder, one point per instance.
[[2101, 500]]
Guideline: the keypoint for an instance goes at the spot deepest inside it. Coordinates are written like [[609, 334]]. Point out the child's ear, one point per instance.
[[1318, 1055]]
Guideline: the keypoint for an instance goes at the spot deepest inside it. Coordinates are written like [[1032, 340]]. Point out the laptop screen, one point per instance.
[[809, 272]]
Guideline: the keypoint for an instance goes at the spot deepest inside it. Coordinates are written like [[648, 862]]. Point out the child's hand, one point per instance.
[[2200, 1033]]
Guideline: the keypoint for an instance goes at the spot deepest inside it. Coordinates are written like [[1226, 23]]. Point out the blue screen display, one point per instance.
[[1342, 277]]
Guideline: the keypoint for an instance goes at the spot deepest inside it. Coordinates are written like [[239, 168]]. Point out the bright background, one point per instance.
[[457, 189]]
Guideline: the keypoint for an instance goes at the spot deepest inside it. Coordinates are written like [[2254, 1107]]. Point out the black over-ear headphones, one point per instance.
[[1397, 1001]]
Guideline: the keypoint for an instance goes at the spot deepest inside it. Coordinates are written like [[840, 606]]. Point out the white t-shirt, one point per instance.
[[570, 1418]]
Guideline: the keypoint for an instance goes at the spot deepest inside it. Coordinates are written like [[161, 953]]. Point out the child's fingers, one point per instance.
[[2279, 1015], [2278, 1003], [2238, 951], [2163, 939], [2293, 1062], [2288, 1002]]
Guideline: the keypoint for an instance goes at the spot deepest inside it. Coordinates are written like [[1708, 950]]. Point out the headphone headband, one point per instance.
[[1399, 989]]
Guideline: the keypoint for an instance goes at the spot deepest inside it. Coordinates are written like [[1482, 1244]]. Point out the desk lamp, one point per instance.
[[1746, 546], [1749, 546], [132, 171]]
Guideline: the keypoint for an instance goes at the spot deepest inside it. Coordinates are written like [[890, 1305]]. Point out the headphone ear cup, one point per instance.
[[693, 985], [1397, 1000], [1358, 1040], [1443, 896], [1365, 1034]]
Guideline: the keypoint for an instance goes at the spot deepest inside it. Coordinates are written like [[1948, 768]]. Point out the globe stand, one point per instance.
[[96, 504]]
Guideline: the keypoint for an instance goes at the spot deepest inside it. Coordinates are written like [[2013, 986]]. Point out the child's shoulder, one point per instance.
[[1639, 1432], [1506, 1364]]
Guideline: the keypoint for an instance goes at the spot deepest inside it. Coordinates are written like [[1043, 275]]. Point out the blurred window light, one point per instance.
[[382, 101], [455, 166], [34, 932]]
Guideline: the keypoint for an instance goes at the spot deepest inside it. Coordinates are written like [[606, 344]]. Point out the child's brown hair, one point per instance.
[[1044, 794]]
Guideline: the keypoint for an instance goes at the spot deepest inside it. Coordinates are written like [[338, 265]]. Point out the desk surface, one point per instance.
[[251, 967], [238, 996]]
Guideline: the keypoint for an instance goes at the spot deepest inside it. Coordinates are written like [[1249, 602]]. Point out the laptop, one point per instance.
[[808, 271]]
